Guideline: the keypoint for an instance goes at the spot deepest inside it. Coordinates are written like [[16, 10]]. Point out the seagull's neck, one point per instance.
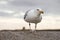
[[38, 15]]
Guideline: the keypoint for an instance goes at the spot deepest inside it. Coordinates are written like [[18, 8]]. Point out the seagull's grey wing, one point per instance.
[[26, 14]]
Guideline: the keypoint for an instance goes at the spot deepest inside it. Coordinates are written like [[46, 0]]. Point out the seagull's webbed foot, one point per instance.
[[32, 31]]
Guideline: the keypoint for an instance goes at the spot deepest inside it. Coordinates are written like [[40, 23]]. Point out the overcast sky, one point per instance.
[[16, 9]]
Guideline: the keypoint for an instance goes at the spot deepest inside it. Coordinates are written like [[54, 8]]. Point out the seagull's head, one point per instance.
[[40, 11]]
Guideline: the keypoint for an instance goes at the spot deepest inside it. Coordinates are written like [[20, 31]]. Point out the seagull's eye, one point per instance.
[[37, 9]]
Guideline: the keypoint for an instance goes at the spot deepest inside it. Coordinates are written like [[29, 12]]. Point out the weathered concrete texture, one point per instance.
[[27, 35]]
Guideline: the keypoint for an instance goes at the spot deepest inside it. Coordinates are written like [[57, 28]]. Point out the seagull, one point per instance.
[[33, 16]]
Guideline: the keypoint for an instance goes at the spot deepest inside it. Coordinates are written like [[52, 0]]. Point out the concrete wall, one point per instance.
[[28, 35]]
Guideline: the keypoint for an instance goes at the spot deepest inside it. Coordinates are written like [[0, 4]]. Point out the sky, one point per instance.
[[12, 13]]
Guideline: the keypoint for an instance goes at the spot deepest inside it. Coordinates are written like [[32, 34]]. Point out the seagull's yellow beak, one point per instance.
[[41, 11]]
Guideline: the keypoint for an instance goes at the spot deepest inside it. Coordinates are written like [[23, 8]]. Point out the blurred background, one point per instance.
[[12, 13]]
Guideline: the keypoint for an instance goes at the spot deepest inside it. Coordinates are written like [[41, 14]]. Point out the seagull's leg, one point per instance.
[[35, 26], [30, 26]]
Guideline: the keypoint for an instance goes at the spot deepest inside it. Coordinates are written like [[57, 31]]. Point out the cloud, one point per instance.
[[19, 14], [6, 11], [3, 2], [11, 13]]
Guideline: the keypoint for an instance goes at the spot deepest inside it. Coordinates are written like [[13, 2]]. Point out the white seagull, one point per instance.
[[33, 16]]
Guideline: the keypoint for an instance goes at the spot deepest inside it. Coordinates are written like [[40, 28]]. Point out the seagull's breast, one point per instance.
[[33, 18]]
